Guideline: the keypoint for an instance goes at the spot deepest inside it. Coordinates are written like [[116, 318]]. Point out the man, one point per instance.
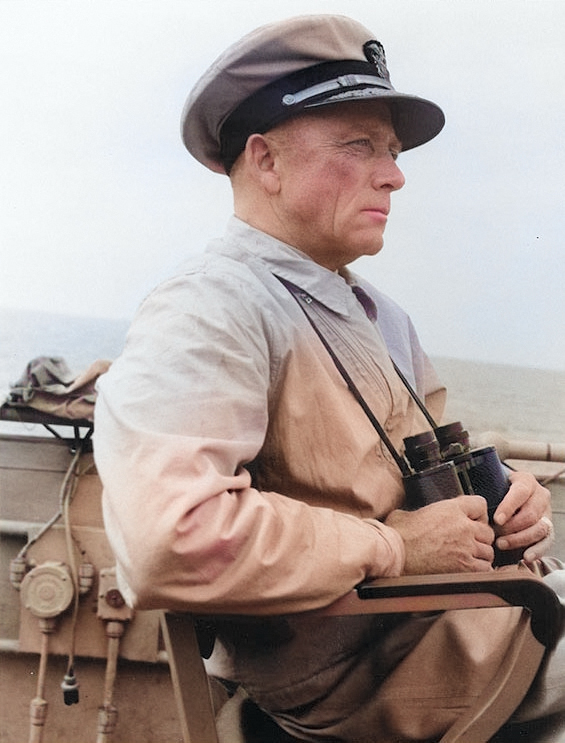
[[241, 475]]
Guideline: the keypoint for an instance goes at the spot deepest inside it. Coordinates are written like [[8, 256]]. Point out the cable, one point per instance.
[[62, 496], [70, 685]]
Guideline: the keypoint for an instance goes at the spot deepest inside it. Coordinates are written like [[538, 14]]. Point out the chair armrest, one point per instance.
[[458, 591]]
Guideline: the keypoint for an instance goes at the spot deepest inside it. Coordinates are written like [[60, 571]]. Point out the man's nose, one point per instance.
[[388, 175]]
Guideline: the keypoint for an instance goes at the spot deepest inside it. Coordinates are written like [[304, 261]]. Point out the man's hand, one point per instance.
[[523, 518], [450, 536]]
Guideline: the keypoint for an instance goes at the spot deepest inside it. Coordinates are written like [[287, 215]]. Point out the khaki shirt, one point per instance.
[[222, 376]]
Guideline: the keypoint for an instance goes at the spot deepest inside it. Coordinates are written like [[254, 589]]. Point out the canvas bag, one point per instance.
[[48, 385]]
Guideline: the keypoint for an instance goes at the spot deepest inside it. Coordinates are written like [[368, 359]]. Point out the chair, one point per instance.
[[537, 631]]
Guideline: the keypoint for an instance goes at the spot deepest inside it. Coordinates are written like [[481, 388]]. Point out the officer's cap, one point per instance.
[[285, 68]]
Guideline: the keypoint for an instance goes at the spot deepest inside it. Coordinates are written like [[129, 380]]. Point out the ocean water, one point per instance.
[[518, 402]]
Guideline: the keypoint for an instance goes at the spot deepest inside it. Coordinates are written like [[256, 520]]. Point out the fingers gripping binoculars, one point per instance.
[[444, 466]]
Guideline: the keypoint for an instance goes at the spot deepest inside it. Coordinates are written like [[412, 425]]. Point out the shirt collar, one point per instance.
[[330, 288]]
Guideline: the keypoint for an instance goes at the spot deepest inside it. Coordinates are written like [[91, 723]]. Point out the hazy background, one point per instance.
[[99, 199]]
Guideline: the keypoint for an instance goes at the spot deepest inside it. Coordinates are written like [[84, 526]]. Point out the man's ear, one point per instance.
[[262, 160]]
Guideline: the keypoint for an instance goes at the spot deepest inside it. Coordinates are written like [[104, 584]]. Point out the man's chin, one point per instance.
[[373, 248]]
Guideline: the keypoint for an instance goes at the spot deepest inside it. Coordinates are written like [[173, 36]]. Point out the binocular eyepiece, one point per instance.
[[444, 465]]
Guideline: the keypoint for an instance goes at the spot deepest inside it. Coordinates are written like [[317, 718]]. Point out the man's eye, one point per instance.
[[395, 154], [361, 145]]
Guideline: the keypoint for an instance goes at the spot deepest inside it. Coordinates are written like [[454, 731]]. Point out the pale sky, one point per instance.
[[99, 199]]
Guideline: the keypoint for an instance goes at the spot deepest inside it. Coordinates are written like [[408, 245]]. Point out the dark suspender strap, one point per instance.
[[299, 295], [414, 396]]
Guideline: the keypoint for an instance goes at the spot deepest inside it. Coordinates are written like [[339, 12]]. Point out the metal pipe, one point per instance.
[[516, 449], [108, 713], [8, 645], [18, 528], [38, 705]]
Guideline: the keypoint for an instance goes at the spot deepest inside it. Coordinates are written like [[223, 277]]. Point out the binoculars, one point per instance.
[[444, 466]]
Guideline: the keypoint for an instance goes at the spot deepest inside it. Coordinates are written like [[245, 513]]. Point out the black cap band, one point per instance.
[[289, 96]]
